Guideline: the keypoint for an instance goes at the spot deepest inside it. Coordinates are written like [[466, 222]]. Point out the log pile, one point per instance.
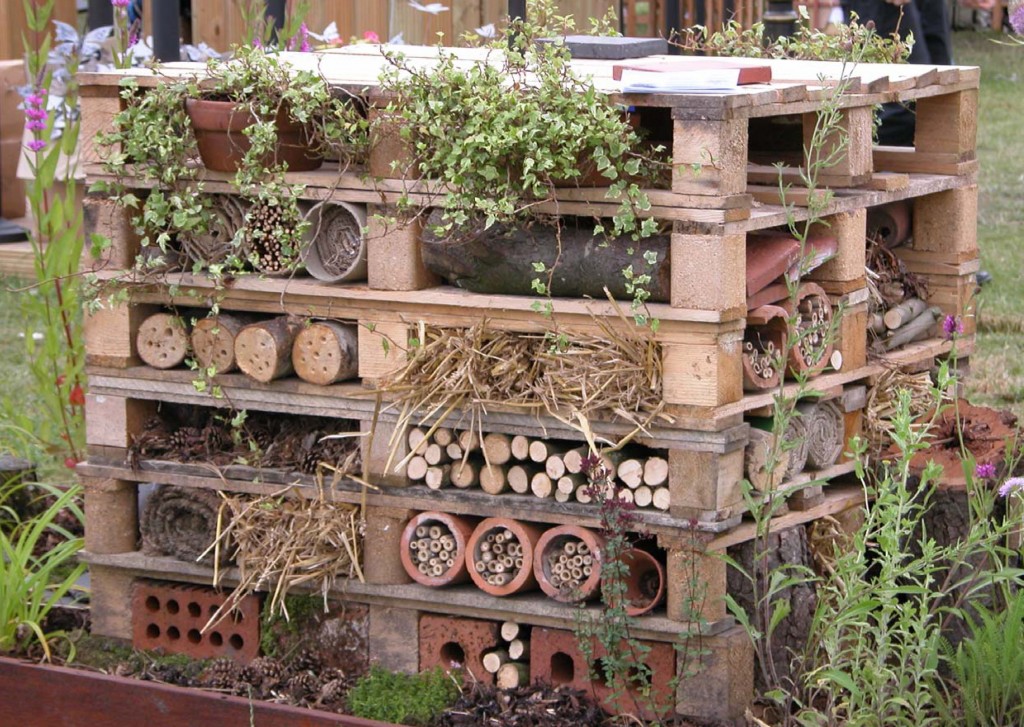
[[898, 313], [500, 463], [510, 660]]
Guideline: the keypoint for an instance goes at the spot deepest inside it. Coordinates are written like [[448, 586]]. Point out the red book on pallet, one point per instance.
[[750, 71]]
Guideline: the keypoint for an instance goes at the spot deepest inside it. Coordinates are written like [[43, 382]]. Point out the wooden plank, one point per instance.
[[421, 28], [341, 12], [911, 161], [61, 696], [372, 15], [529, 608]]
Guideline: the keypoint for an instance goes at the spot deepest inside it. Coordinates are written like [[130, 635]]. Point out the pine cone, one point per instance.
[[221, 674], [307, 660], [267, 673], [304, 685], [332, 691]]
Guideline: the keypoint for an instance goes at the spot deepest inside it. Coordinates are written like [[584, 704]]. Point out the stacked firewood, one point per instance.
[[510, 660], [502, 463], [898, 311]]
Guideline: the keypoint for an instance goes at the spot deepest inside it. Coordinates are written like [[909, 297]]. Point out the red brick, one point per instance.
[[171, 616], [556, 659], [446, 641]]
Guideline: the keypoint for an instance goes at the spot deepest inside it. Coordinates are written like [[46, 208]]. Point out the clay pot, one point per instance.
[[767, 324], [449, 525], [811, 294], [219, 127], [522, 577], [554, 540], [645, 584]]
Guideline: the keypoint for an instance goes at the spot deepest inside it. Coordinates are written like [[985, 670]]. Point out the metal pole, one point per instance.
[[101, 13], [672, 22], [779, 20], [166, 29], [516, 9]]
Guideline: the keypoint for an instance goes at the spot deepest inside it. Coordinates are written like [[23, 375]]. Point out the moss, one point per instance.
[[278, 634], [413, 700]]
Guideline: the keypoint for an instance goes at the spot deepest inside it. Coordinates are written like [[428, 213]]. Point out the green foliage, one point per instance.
[[34, 576], [278, 630], [153, 142], [416, 699], [987, 669], [846, 41]]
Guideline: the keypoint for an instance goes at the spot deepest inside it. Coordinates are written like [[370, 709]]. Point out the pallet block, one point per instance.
[[852, 337], [110, 334], [721, 686], [706, 271], [947, 222], [394, 638], [110, 602], [948, 123], [112, 514], [393, 252], [853, 165], [112, 421], [704, 374], [383, 452], [850, 231], [382, 349], [99, 105], [382, 542], [709, 157], [705, 486], [696, 581], [103, 217]]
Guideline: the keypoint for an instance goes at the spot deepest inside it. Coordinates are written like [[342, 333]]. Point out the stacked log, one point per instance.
[[510, 660], [499, 463]]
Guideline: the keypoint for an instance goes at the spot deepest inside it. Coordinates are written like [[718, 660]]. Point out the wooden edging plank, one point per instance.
[[40, 694]]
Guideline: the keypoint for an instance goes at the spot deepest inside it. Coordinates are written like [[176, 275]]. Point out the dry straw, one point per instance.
[[883, 398], [282, 542], [614, 372]]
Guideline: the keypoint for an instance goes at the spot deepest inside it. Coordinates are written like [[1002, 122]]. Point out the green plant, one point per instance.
[[987, 669], [416, 699], [35, 575], [263, 85]]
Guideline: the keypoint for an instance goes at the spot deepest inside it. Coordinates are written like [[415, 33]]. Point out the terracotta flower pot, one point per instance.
[[219, 128], [515, 577], [645, 584], [423, 528], [583, 578]]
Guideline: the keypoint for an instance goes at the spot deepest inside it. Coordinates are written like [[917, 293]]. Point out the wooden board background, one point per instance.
[[13, 14]]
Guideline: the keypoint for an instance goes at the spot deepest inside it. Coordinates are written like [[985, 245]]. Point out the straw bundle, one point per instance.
[[217, 242], [884, 396], [284, 542]]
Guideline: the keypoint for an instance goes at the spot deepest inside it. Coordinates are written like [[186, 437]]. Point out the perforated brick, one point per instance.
[[556, 659], [457, 643], [171, 616]]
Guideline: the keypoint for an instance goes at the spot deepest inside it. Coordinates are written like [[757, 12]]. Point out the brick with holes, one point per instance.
[[457, 643], [171, 617]]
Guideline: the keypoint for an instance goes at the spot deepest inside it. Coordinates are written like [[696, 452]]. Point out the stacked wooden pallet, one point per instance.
[[721, 193]]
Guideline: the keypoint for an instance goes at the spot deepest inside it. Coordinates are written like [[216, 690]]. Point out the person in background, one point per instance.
[[928, 21]]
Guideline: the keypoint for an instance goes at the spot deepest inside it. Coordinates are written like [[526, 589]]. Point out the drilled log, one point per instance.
[[326, 352], [162, 341], [213, 341], [501, 259], [264, 350]]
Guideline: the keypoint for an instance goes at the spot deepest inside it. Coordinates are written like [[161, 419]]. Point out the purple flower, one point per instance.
[[952, 326], [1017, 19], [1011, 485], [36, 145], [304, 34], [120, 3], [35, 125], [985, 471]]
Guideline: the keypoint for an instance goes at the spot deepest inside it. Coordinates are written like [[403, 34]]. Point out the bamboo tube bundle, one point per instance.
[[764, 341], [266, 226], [568, 563], [163, 341], [213, 341], [434, 548], [326, 352], [501, 553], [813, 329], [223, 237], [336, 251], [263, 350], [826, 429]]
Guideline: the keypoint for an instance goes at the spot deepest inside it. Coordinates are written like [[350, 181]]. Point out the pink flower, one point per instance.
[[370, 37], [1011, 485], [1017, 19], [36, 145], [952, 326], [120, 3], [985, 471], [304, 34]]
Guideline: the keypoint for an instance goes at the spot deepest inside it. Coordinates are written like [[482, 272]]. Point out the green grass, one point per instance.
[[997, 376], [16, 384]]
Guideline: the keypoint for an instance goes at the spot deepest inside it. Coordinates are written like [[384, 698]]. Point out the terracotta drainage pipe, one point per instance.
[[567, 564], [764, 340], [645, 581], [501, 552], [813, 351], [434, 547]]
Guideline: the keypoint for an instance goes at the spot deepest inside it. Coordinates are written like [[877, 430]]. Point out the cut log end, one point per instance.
[[163, 341]]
